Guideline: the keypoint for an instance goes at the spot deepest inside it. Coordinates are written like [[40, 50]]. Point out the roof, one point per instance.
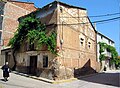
[[55, 2], [58, 2], [92, 25], [105, 36], [20, 1]]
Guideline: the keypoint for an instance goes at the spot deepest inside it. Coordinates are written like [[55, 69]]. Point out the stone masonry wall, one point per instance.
[[71, 32]]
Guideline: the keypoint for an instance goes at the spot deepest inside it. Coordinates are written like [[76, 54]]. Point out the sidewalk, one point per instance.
[[41, 79], [44, 79], [57, 82]]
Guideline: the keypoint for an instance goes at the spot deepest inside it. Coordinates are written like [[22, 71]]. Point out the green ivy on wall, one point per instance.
[[111, 49], [34, 31]]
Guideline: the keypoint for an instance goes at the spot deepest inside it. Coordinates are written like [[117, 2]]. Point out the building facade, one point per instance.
[[102, 38], [76, 43], [9, 13]]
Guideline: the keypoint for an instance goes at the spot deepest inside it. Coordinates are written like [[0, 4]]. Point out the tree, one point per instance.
[[31, 29]]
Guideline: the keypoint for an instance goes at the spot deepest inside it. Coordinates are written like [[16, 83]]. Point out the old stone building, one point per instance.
[[76, 44], [9, 13]]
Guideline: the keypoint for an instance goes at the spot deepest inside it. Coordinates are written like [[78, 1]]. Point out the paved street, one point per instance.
[[110, 79]]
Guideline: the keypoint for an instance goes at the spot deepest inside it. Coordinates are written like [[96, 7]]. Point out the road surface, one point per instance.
[[109, 79]]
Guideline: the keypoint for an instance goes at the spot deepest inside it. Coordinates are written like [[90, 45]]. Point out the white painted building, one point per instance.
[[104, 39]]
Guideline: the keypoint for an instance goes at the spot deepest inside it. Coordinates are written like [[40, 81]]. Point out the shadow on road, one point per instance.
[[112, 79]]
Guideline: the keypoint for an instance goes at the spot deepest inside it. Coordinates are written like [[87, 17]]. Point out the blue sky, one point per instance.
[[96, 7]]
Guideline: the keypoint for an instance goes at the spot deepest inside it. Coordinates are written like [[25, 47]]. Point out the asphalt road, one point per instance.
[[109, 79]]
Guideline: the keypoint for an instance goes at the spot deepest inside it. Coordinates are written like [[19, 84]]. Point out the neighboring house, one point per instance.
[[76, 42], [10, 11], [102, 38]]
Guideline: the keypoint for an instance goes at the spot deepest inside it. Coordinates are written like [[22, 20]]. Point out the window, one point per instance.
[[45, 61], [89, 44], [61, 10], [109, 41], [31, 46], [1, 18], [81, 41]]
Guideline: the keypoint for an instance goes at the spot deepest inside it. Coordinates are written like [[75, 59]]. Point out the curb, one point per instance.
[[52, 81], [44, 79], [64, 81]]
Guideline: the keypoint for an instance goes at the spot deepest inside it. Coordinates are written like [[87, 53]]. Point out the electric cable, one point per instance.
[[94, 16], [98, 21]]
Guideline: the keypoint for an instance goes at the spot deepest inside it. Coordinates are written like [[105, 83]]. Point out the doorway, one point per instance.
[[33, 65]]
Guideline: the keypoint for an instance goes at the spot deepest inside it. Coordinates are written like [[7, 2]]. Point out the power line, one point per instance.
[[116, 18], [98, 21], [106, 15], [112, 14]]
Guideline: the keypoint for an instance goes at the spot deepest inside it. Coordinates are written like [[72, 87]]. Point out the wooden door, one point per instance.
[[33, 65]]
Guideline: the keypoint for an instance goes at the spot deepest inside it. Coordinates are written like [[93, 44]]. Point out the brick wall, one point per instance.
[[12, 11], [25, 5], [72, 53]]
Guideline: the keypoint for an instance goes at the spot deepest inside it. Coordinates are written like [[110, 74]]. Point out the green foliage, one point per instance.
[[102, 47], [34, 31], [111, 49], [40, 38], [51, 42], [117, 62], [102, 57]]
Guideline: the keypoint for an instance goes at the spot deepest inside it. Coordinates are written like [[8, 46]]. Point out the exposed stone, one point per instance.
[[55, 69], [61, 72], [69, 73], [50, 75]]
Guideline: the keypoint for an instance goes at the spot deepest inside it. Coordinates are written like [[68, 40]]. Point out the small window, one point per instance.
[[45, 61], [81, 41], [61, 10], [109, 41], [31, 46], [89, 44]]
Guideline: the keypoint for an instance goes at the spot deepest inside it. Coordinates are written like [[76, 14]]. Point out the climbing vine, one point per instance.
[[32, 30], [111, 49], [101, 50]]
